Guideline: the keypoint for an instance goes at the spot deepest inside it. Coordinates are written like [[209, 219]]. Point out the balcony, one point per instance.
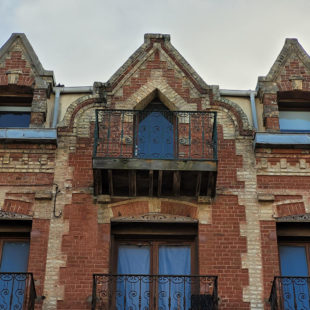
[[154, 292], [290, 293], [155, 153], [17, 291]]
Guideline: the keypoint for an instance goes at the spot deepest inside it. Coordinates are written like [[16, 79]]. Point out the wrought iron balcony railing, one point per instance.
[[120, 292], [145, 134], [290, 293], [17, 291]]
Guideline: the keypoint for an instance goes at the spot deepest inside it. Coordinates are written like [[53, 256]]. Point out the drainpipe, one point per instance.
[[244, 93], [253, 109], [56, 106], [66, 90]]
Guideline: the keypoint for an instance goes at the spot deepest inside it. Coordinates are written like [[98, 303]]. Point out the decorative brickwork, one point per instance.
[[53, 185]]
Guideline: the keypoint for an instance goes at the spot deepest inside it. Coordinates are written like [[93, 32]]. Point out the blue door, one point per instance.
[[155, 137], [12, 286], [293, 262]]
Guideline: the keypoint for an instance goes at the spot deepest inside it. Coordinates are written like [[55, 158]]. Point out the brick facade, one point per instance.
[[51, 184]]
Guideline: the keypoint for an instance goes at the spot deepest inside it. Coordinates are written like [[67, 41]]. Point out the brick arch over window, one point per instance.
[[140, 207], [166, 94]]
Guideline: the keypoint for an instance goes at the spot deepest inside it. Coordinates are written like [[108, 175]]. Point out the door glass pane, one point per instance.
[[174, 260], [293, 261], [133, 290], [14, 259]]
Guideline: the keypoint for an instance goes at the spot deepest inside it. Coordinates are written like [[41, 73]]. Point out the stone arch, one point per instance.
[[166, 94], [155, 206], [75, 106], [237, 115]]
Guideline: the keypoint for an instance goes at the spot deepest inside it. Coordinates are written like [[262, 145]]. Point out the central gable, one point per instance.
[[157, 67]]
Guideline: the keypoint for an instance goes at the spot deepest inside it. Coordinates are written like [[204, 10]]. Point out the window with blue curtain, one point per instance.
[[14, 260], [136, 265], [294, 121], [15, 119], [294, 266]]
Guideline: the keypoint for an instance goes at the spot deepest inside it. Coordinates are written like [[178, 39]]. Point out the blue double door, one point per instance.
[[294, 269], [140, 290], [155, 136], [14, 260]]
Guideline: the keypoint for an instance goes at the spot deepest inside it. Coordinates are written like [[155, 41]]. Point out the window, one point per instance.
[[154, 266], [294, 121], [294, 111], [294, 255], [15, 106], [14, 252], [14, 119]]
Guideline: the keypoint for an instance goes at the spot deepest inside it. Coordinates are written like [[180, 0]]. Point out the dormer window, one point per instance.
[[14, 117], [294, 111], [15, 107]]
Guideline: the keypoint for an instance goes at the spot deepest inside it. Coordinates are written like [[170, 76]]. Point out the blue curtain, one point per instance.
[[133, 289], [12, 286], [293, 260], [174, 260]]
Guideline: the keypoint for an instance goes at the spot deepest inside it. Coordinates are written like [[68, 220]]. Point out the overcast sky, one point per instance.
[[228, 42]]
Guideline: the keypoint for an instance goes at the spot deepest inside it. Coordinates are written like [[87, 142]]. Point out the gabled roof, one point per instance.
[[32, 56], [142, 51], [291, 46]]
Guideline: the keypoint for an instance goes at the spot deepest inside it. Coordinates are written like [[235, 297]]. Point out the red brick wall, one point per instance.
[[270, 258], [16, 62], [38, 254], [228, 163], [293, 68], [220, 249], [87, 249]]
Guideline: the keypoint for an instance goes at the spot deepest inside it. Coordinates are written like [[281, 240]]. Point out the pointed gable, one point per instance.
[[19, 63], [290, 71], [157, 68]]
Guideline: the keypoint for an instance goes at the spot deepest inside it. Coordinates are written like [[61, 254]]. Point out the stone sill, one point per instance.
[[33, 135], [287, 140]]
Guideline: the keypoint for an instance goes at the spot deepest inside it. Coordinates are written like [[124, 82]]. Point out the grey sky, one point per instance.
[[228, 42]]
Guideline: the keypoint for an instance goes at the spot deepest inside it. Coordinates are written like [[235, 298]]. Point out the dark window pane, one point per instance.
[[11, 119]]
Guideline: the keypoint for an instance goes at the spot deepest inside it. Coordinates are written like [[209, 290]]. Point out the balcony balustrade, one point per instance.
[[17, 291], [182, 135], [120, 292], [290, 293], [155, 153]]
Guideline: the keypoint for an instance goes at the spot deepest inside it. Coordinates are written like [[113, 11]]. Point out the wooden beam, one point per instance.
[[132, 183], [154, 164], [98, 182], [151, 182], [110, 177], [176, 183], [160, 182], [211, 184], [198, 184]]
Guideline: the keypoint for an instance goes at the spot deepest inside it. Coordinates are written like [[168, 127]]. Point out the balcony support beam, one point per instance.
[[154, 164]]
